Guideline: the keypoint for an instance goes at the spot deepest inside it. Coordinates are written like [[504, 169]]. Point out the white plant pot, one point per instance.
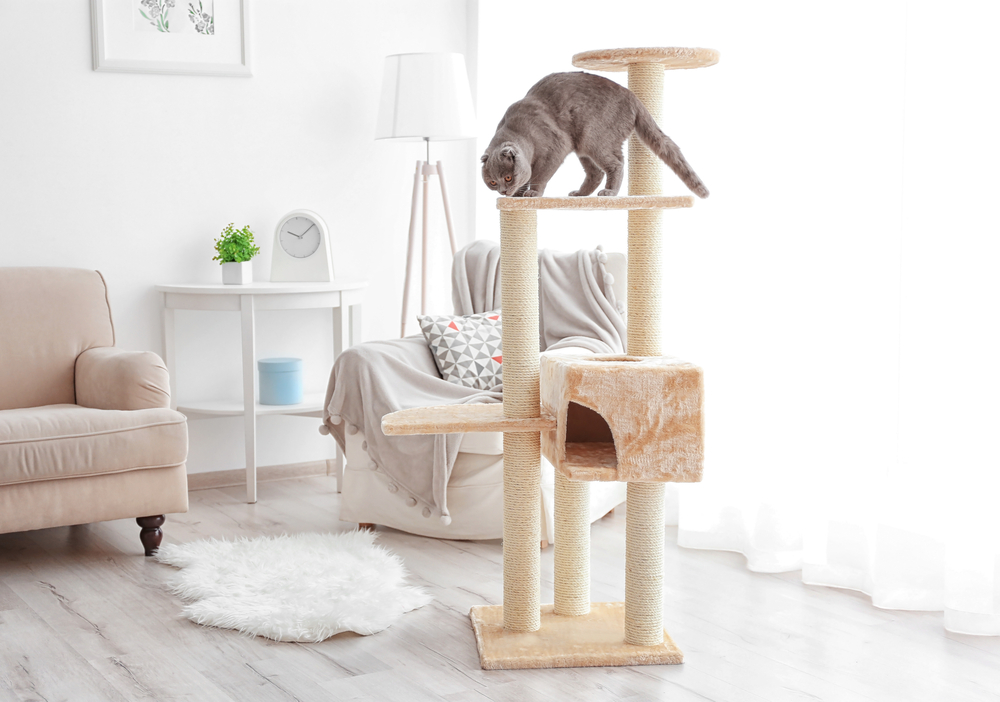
[[237, 273]]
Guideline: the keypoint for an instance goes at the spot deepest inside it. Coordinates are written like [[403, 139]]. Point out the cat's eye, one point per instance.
[[507, 179], [493, 182]]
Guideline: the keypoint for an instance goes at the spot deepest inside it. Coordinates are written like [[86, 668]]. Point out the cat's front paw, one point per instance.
[[577, 193], [606, 193], [532, 193]]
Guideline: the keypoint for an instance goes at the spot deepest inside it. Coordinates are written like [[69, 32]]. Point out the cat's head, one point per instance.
[[505, 169]]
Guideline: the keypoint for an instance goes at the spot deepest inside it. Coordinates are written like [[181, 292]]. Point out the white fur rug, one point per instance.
[[305, 587]]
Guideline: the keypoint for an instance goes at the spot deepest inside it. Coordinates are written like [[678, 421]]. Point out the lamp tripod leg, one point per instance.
[[447, 209], [411, 244], [424, 245]]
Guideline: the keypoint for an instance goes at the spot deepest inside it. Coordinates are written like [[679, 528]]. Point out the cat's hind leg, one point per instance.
[[614, 165], [593, 178]]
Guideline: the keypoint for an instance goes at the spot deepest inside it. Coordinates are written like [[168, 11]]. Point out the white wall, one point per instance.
[[136, 174]]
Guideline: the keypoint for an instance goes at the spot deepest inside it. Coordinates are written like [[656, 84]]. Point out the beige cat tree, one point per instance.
[[634, 418]]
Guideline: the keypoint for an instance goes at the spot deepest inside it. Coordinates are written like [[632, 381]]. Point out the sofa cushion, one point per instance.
[[69, 441], [48, 317]]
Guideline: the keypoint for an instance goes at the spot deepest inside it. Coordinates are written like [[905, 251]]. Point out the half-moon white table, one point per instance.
[[342, 296]]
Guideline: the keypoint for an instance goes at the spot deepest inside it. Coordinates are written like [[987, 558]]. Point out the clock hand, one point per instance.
[[307, 230]]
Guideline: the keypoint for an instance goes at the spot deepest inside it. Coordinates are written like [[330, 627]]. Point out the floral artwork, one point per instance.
[[177, 37], [155, 13], [160, 16], [203, 22]]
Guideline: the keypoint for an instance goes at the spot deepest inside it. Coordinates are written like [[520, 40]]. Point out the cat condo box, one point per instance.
[[280, 381]]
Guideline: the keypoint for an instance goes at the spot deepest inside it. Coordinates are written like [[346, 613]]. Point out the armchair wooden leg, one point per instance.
[[151, 534]]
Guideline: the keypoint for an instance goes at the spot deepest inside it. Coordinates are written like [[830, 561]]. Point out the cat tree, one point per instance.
[[635, 418]]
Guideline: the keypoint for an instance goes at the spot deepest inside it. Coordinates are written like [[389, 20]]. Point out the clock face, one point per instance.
[[300, 237]]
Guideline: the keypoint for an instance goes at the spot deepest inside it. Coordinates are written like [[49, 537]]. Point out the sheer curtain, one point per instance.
[[840, 286], [853, 419]]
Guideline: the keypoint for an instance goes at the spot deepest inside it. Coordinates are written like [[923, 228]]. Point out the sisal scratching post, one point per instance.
[[572, 547], [644, 505], [521, 450]]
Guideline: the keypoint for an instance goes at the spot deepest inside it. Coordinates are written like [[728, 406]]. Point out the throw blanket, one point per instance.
[[576, 309]]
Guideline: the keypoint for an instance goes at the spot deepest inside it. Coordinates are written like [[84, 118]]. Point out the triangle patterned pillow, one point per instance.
[[467, 348]]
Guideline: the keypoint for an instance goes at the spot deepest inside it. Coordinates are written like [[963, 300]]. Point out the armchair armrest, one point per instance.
[[114, 379]]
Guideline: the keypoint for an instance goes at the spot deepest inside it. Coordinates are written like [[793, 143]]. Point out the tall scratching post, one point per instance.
[[522, 450], [644, 506]]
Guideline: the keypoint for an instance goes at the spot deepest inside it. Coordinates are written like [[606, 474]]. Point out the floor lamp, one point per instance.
[[425, 97]]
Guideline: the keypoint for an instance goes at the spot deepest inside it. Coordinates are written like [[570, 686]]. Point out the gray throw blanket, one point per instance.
[[368, 381]]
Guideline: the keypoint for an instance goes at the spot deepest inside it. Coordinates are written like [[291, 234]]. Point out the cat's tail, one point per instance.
[[664, 147]]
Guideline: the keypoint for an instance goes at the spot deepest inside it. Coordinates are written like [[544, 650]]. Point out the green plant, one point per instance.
[[235, 245]]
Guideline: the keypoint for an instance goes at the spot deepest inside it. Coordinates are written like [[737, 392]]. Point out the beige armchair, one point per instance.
[[86, 430]]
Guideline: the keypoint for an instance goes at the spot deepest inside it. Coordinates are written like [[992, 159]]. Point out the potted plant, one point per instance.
[[234, 249]]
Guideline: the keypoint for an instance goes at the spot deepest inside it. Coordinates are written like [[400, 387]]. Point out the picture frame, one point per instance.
[[180, 37]]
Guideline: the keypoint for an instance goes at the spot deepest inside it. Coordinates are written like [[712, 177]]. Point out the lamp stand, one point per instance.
[[421, 182]]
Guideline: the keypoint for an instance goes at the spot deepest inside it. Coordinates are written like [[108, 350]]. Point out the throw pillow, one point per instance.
[[466, 348]]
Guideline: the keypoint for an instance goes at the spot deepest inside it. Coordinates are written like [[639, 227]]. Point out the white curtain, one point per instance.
[[840, 286], [853, 418]]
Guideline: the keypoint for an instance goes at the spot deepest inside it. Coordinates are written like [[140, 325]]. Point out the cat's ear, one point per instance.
[[484, 158], [507, 152]]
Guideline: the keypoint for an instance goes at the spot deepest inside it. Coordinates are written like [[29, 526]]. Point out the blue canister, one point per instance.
[[280, 381]]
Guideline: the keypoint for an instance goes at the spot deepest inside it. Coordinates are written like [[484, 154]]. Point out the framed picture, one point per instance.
[[195, 37]]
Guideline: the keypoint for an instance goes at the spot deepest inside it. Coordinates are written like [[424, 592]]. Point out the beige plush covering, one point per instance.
[[455, 419], [593, 639], [617, 202], [668, 56], [63, 441], [48, 317], [651, 409], [98, 498]]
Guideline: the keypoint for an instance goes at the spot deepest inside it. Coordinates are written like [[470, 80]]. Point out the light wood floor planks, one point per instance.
[[83, 616]]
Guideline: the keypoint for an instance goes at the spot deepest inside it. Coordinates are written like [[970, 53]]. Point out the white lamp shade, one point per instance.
[[425, 96]]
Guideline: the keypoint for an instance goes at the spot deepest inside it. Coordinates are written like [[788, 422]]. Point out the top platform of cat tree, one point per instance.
[[669, 56]]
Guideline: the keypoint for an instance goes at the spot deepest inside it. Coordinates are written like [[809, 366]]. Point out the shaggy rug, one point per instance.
[[305, 587]]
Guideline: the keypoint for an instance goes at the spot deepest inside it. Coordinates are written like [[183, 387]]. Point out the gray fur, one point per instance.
[[580, 112]]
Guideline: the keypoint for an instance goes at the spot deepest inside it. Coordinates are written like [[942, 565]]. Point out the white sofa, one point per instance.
[[475, 490]]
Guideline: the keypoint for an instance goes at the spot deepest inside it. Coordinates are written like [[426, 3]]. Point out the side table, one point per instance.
[[342, 296]]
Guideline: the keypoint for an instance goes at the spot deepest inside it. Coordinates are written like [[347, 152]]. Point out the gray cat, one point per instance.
[[579, 112]]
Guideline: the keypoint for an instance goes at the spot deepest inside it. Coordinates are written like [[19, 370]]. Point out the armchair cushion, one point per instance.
[[69, 441], [113, 379]]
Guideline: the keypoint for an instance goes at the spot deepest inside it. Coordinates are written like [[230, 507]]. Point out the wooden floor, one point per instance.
[[83, 616]]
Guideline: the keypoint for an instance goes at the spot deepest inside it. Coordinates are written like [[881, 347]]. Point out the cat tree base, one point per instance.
[[588, 640]]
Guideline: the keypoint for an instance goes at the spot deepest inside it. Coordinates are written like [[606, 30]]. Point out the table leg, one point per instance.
[[341, 340], [170, 352], [249, 394]]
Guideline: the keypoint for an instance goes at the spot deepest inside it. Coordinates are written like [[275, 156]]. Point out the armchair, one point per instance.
[[86, 430], [474, 490]]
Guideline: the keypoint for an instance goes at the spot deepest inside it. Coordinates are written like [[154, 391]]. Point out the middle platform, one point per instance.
[[616, 202], [457, 419]]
